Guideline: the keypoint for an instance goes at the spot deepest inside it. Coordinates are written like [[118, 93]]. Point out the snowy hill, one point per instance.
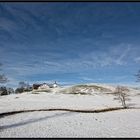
[[86, 89], [92, 89], [66, 123]]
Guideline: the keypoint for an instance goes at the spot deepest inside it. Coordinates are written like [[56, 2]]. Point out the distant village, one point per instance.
[[25, 87]]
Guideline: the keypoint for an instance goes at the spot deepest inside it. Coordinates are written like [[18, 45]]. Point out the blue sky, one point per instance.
[[70, 42]]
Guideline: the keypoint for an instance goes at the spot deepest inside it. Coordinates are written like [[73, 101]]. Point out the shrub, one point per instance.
[[19, 90], [3, 91]]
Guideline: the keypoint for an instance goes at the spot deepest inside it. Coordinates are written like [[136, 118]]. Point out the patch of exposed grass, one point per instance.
[[44, 90], [35, 92], [85, 89], [81, 93], [95, 87], [40, 90]]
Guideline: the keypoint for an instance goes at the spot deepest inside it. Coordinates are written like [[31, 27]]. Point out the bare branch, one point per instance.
[[3, 79], [138, 76], [122, 96]]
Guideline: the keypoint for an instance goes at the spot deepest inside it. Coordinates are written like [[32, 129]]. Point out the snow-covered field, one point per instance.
[[119, 123]]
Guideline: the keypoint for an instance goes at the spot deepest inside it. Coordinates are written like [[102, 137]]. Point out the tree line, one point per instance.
[[7, 90]]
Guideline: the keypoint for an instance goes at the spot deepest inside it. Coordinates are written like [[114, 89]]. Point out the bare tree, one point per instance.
[[3, 78], [138, 76], [0, 66], [121, 95], [22, 84], [23, 87]]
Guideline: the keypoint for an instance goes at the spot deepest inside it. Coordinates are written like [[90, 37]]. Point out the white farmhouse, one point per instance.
[[44, 86]]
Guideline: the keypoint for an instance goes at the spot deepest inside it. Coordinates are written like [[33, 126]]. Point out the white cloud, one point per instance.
[[86, 78], [7, 24], [137, 59], [120, 60], [32, 64], [22, 66], [117, 56]]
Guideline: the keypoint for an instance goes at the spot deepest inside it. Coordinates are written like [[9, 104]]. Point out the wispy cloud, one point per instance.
[[137, 59], [123, 54], [86, 78], [7, 24], [34, 65]]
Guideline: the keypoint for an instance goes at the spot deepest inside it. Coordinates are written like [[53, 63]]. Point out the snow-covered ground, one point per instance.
[[120, 123], [67, 124]]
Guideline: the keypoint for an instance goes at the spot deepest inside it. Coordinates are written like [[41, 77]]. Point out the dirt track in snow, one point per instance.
[[64, 109]]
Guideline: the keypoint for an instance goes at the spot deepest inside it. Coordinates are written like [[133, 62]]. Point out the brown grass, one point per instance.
[[40, 90]]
